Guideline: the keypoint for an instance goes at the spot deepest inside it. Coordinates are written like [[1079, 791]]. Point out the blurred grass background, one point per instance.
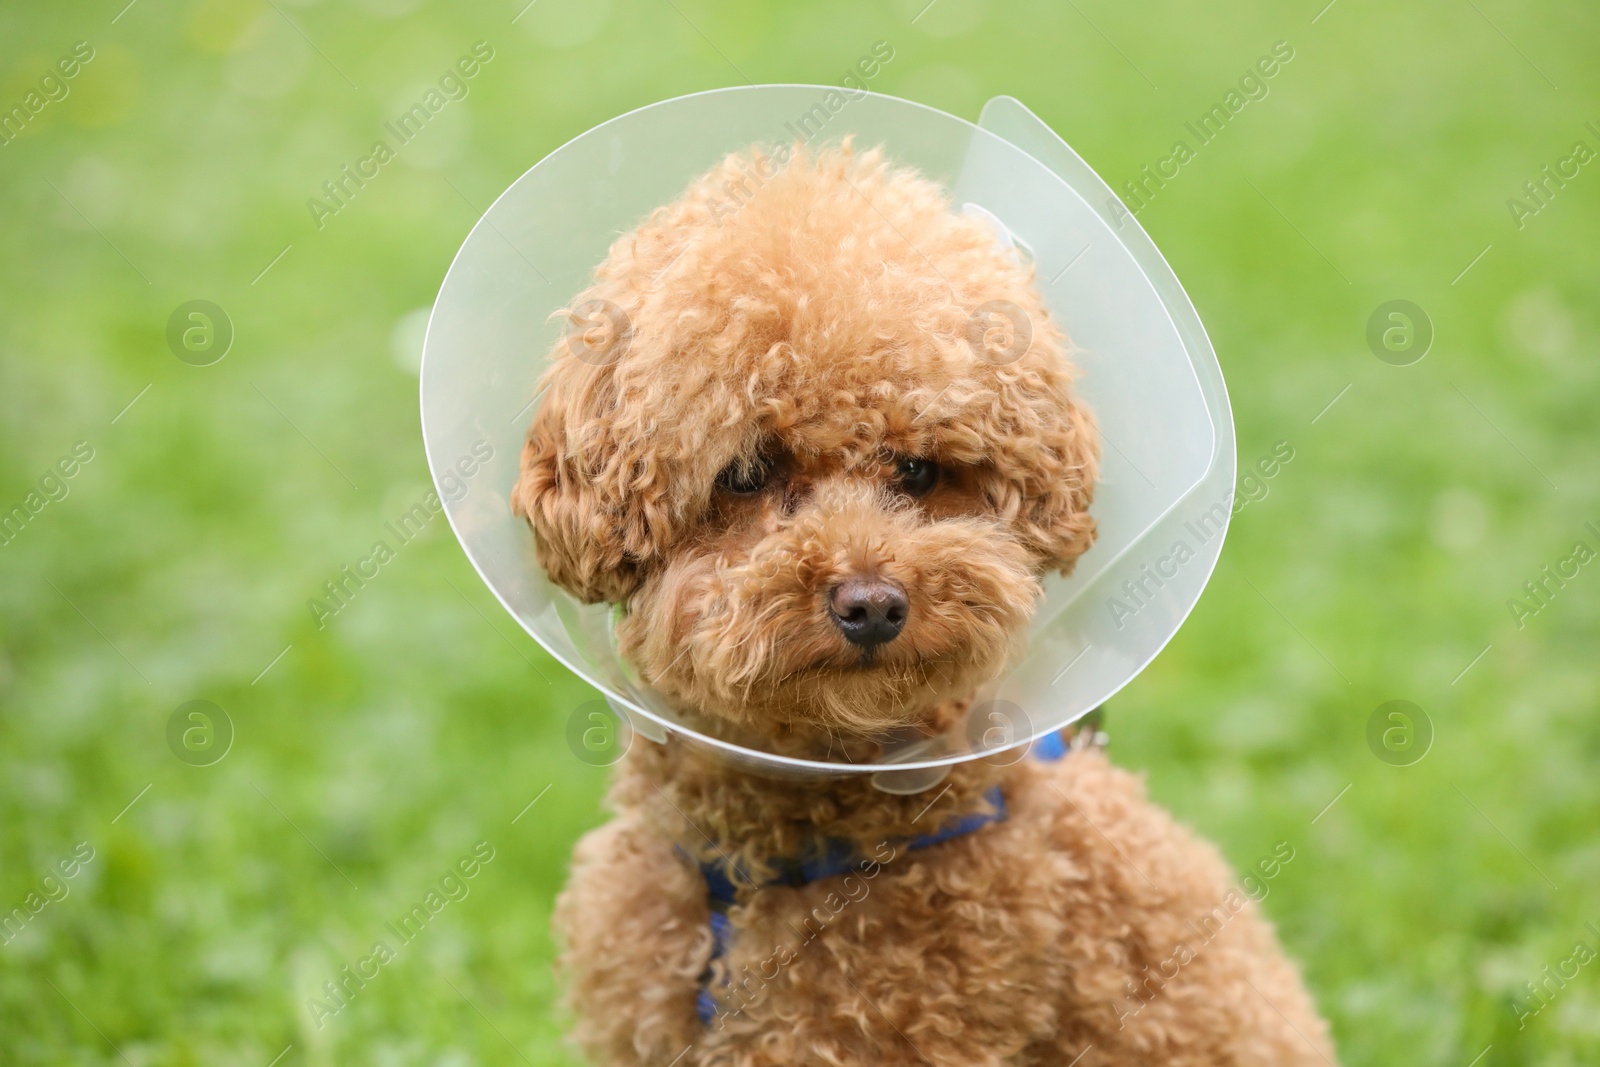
[[377, 751]]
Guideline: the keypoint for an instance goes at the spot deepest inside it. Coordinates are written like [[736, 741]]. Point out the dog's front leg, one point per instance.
[[633, 928]]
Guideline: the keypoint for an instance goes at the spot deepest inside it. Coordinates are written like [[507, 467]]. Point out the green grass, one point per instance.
[[381, 748]]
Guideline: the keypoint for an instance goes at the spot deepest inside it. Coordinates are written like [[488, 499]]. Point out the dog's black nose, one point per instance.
[[868, 611]]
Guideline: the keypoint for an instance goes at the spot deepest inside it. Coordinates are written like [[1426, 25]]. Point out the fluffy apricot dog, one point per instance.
[[824, 509]]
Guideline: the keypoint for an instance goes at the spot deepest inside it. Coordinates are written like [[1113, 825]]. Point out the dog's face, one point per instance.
[[806, 449]]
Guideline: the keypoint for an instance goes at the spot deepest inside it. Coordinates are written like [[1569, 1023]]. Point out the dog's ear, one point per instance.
[[1045, 450], [1055, 518], [585, 487]]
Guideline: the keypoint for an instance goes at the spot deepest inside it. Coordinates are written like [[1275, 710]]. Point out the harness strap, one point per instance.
[[835, 856]]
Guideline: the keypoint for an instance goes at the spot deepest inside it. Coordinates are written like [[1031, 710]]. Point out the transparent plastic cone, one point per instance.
[[1148, 372]]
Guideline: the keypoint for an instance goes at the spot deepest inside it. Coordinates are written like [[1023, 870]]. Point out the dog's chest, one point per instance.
[[901, 933]]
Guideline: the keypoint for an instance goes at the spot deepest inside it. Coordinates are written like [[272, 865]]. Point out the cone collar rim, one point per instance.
[[642, 719]]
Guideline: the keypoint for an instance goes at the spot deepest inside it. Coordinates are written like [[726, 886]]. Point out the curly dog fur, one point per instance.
[[787, 351]]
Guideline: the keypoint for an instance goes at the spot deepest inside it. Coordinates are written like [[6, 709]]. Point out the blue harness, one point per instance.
[[832, 858]]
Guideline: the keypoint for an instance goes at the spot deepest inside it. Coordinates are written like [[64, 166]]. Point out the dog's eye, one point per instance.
[[746, 476], [917, 476]]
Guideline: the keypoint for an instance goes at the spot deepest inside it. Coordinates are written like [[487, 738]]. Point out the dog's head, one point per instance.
[[816, 436]]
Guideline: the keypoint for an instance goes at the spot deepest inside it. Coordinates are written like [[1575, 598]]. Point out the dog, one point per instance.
[[824, 507]]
